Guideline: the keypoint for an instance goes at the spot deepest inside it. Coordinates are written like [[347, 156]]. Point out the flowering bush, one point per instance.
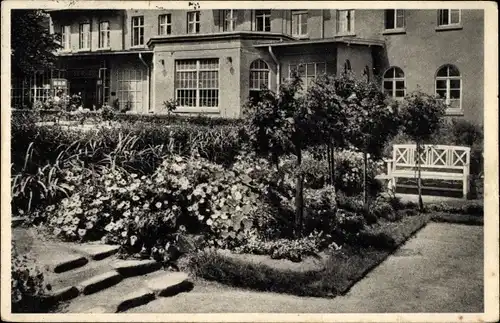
[[27, 287]]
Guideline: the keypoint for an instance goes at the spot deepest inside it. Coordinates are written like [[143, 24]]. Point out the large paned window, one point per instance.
[[138, 31], [66, 37], [449, 87], [299, 23], [130, 88], [262, 20], [229, 20], [448, 17], [85, 36], [197, 83], [104, 34], [345, 22], [165, 24], [193, 26], [394, 82], [308, 72], [259, 77], [394, 19]]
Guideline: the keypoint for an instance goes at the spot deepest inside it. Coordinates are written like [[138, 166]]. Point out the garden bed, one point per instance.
[[342, 268]]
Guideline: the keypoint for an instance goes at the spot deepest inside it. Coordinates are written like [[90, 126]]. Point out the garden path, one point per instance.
[[426, 274]]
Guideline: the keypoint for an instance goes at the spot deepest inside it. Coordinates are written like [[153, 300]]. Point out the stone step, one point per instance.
[[135, 298], [131, 292], [169, 284], [111, 297], [96, 251], [100, 282], [65, 261], [75, 276], [129, 268]]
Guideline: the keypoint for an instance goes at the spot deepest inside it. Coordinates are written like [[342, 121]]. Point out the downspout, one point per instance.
[[278, 67], [149, 83], [322, 23]]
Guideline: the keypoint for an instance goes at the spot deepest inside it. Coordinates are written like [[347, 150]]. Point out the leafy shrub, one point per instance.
[[293, 250], [28, 293], [383, 209], [472, 208]]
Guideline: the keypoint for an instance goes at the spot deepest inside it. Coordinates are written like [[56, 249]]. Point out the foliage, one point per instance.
[[33, 46], [421, 115], [279, 124], [293, 250], [27, 284], [108, 113]]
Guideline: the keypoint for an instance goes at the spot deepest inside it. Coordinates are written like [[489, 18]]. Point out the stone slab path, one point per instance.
[[438, 270]]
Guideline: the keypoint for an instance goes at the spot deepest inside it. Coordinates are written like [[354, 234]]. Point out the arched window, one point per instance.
[[347, 66], [449, 86], [259, 77], [394, 82]]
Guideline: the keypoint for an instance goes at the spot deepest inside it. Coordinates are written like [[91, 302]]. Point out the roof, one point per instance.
[[256, 35], [343, 40]]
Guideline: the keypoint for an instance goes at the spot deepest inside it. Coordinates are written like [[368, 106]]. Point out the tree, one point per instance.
[[33, 46], [374, 121], [328, 104], [421, 116], [278, 124]]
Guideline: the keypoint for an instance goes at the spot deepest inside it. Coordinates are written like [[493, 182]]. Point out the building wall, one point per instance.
[[229, 75], [420, 51]]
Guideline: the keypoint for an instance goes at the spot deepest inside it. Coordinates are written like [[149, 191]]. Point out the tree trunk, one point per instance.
[[328, 157], [365, 188], [299, 197], [333, 163], [419, 182]]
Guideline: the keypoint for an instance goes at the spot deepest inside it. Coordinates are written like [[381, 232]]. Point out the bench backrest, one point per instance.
[[436, 157]]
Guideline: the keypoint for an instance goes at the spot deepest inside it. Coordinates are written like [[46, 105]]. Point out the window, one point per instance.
[[85, 36], [394, 82], [299, 22], [259, 77], [197, 83], [165, 24], [449, 87], [193, 22], [262, 20], [345, 22], [104, 34], [229, 20], [130, 88], [447, 17], [138, 31], [394, 19], [66, 37], [308, 72]]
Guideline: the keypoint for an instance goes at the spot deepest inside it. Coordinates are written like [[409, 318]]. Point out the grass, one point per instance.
[[469, 219], [343, 268]]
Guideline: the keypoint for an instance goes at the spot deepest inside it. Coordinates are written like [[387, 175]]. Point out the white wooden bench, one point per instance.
[[437, 162]]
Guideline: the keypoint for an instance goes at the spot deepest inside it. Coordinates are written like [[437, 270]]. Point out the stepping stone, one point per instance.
[[169, 284], [97, 251], [136, 298], [128, 268], [17, 220], [64, 294], [99, 282], [97, 310], [67, 262]]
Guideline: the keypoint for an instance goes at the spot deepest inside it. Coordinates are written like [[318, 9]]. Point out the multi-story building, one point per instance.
[[211, 61]]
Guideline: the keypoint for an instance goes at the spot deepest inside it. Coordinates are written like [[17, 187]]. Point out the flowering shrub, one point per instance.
[[27, 287]]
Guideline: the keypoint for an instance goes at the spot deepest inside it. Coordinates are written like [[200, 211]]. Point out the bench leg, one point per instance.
[[465, 188]]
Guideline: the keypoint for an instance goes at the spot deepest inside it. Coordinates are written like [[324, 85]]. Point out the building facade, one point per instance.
[[212, 61]]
